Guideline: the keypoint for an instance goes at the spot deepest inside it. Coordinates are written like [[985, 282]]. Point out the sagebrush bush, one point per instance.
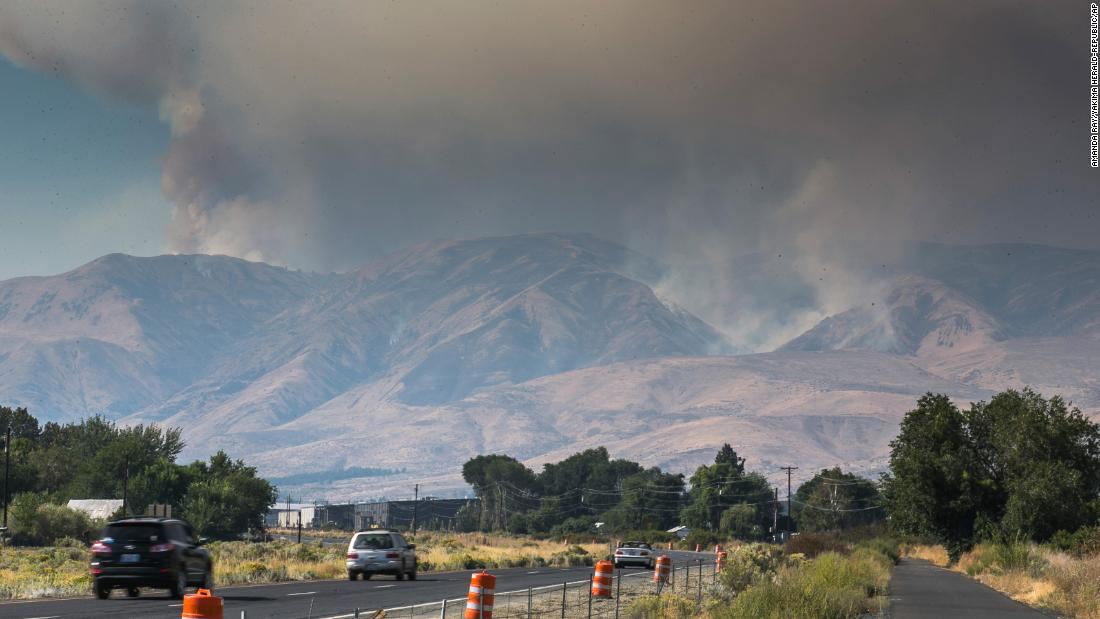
[[666, 606], [813, 544]]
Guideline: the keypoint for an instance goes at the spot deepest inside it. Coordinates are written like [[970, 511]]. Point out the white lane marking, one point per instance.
[[302, 593], [174, 605], [384, 586], [50, 617], [532, 572]]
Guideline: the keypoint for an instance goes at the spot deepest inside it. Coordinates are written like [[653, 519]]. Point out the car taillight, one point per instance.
[[618, 552], [165, 547], [99, 548], [644, 553], [393, 555], [353, 555]]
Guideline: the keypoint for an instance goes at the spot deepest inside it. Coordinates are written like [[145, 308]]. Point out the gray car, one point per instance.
[[640, 554], [381, 552]]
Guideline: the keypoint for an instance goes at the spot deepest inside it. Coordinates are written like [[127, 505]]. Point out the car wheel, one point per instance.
[[352, 575], [180, 587], [366, 575], [412, 574], [133, 592], [208, 579], [102, 591]]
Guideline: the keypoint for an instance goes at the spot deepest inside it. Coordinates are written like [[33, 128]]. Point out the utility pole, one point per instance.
[[416, 503], [775, 514], [789, 470], [7, 467], [125, 483]]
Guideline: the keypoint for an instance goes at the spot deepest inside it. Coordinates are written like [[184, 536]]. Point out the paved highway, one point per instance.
[[920, 590], [328, 598]]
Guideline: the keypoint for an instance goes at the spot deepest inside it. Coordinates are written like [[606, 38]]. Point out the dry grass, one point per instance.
[[457, 551], [27, 573], [936, 555]]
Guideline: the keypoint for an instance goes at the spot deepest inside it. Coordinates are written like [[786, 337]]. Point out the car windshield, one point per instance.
[[373, 541], [134, 532], [635, 545]]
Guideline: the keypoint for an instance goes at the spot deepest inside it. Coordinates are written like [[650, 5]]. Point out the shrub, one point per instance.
[[43, 523], [749, 565], [1082, 542], [831, 586], [813, 544]]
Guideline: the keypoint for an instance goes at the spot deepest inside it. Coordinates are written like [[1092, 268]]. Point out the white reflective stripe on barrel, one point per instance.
[[474, 606]]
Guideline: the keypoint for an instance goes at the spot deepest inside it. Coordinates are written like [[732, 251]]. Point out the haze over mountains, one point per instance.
[[535, 345]]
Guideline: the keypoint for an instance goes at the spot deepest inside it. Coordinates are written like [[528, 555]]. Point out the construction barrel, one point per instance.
[[601, 580], [663, 569], [479, 602], [719, 561], [202, 605]]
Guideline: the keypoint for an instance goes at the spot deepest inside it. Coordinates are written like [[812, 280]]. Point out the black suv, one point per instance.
[[150, 552]]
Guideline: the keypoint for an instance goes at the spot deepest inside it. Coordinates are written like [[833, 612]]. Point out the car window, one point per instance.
[[372, 541], [134, 532], [399, 541], [180, 533]]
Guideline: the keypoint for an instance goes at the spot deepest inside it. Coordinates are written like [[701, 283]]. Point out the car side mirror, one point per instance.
[[201, 541], [411, 546]]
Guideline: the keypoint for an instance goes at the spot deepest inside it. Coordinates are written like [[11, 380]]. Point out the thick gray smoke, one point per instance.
[[322, 134]]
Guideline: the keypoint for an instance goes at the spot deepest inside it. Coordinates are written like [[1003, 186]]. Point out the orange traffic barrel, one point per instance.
[[698, 547], [601, 580], [717, 548], [202, 605], [479, 602], [663, 569], [670, 545], [719, 561]]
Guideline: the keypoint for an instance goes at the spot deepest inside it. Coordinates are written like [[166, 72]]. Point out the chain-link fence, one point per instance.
[[568, 600]]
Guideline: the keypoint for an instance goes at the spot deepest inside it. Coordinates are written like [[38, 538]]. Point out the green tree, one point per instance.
[[22, 423], [740, 521], [717, 487], [495, 478], [651, 499], [227, 498], [833, 500], [1016, 465]]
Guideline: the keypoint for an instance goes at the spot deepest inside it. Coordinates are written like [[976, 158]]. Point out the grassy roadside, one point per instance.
[[765, 582], [1066, 583], [62, 571]]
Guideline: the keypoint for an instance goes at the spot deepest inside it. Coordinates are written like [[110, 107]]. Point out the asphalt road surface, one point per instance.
[[920, 590], [329, 598]]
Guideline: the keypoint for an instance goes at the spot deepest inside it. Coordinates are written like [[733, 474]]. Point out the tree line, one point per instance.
[[1018, 466], [96, 459], [590, 488]]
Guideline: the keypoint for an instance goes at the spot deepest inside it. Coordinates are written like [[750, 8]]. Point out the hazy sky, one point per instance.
[[319, 135]]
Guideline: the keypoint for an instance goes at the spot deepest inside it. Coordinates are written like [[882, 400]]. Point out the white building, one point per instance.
[[99, 509]]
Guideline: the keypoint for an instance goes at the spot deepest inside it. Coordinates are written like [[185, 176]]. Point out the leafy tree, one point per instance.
[[22, 423], [1016, 465], [494, 477], [726, 455], [717, 487], [835, 500], [740, 521], [227, 498], [95, 459], [649, 500]]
